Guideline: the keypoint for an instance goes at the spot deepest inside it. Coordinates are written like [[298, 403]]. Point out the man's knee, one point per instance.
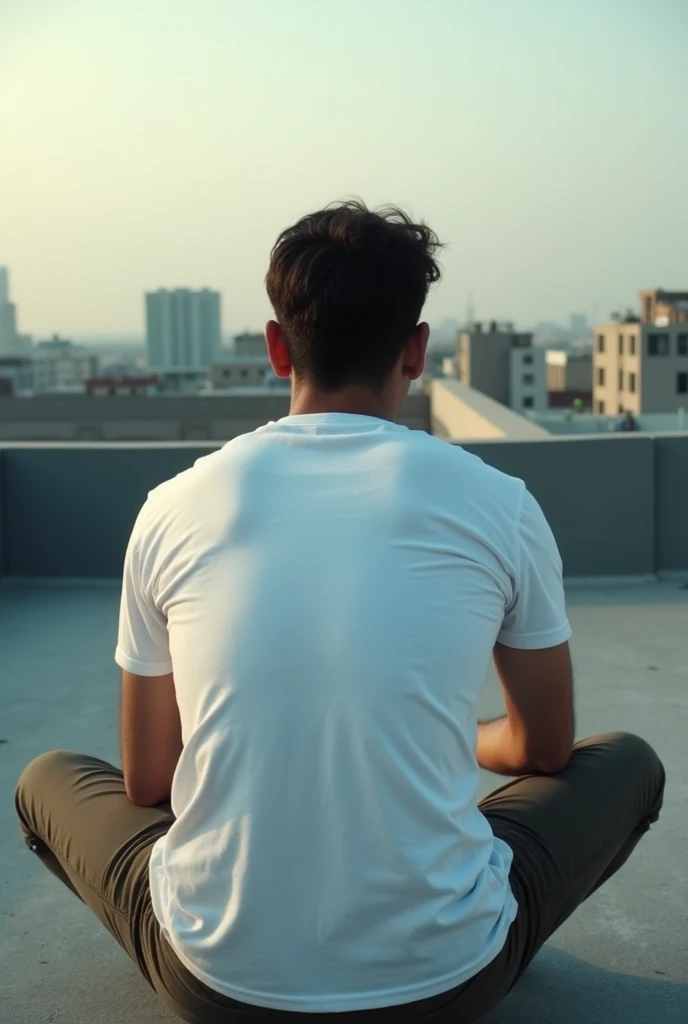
[[40, 776], [633, 756], [625, 745]]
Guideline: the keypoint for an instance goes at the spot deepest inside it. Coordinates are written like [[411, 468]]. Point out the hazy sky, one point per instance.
[[148, 143]]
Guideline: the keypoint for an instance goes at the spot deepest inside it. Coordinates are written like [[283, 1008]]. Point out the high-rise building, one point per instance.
[[641, 362], [503, 364], [183, 329], [4, 286], [9, 339]]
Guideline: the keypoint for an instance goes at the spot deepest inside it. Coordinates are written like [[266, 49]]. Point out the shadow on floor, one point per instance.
[[561, 989]]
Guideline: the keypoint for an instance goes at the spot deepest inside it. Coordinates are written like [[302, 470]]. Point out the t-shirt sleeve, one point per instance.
[[536, 617], [142, 642]]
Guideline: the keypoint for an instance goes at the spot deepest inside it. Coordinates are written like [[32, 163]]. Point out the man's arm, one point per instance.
[[536, 735], [151, 737], [532, 660], [150, 725]]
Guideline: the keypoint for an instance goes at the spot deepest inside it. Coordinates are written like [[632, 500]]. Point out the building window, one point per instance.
[[227, 374], [621, 408], [600, 342], [682, 344], [631, 344], [528, 378], [244, 373], [600, 376], [600, 408], [682, 383], [621, 344], [527, 360], [621, 380], [631, 383], [658, 344], [528, 402]]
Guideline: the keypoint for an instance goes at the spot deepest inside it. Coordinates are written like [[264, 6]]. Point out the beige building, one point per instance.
[[503, 364], [641, 365]]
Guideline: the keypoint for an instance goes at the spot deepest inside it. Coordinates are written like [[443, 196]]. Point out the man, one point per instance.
[[628, 423], [307, 619]]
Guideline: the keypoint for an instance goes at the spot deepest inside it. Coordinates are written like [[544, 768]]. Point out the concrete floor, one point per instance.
[[622, 957]]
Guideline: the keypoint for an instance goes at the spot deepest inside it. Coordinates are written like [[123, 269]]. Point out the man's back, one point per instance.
[[333, 586], [306, 621]]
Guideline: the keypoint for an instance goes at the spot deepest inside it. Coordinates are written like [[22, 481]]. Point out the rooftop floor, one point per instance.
[[623, 956]]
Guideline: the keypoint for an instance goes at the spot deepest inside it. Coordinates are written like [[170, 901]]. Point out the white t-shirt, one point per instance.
[[328, 591]]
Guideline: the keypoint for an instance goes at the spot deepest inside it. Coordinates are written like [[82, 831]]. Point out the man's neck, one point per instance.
[[357, 400]]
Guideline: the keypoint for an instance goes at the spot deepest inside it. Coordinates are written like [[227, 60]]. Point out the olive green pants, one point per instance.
[[569, 833]]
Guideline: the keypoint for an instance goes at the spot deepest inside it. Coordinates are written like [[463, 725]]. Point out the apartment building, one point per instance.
[[640, 363], [503, 364]]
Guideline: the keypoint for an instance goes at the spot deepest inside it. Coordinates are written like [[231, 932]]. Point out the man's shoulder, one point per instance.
[[172, 488], [204, 472], [459, 464]]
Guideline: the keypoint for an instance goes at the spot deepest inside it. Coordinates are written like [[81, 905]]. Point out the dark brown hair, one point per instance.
[[347, 285]]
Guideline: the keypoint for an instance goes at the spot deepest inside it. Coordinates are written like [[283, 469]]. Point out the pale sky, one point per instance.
[[151, 143]]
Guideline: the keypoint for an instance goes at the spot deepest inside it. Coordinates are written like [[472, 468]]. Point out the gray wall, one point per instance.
[[671, 501], [69, 510], [617, 505], [3, 493], [597, 493]]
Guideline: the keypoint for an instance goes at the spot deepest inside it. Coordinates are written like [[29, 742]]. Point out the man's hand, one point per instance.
[[537, 734], [151, 737]]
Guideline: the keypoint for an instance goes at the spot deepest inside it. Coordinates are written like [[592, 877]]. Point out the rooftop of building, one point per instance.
[[621, 957], [617, 507]]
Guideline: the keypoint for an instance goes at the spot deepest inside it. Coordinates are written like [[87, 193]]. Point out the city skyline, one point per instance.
[[577, 325], [538, 140]]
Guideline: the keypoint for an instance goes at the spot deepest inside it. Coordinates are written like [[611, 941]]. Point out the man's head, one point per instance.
[[347, 285]]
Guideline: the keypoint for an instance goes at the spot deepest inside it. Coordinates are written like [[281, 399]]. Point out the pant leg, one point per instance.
[[569, 833], [572, 831], [75, 815]]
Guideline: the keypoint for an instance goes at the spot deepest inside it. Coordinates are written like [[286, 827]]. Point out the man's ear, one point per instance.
[[413, 362], [277, 349]]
